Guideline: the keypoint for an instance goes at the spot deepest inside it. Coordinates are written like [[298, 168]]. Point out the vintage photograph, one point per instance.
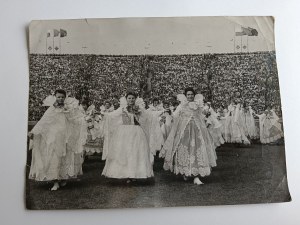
[[154, 112]]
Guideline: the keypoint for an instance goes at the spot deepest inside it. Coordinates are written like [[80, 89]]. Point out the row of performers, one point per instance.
[[236, 124], [187, 138]]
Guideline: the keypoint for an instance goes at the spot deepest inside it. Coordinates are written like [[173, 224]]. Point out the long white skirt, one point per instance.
[[271, 132], [46, 167], [129, 154], [216, 134]]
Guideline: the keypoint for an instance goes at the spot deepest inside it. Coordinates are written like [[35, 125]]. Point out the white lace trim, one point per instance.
[[202, 171]]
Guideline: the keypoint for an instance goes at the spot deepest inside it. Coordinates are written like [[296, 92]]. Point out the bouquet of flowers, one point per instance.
[[136, 109], [206, 112], [97, 117], [61, 106], [89, 121]]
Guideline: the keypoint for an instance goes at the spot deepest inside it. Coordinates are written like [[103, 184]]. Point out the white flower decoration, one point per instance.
[[140, 102]]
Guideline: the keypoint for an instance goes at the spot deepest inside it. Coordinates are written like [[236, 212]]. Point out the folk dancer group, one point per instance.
[[186, 136]]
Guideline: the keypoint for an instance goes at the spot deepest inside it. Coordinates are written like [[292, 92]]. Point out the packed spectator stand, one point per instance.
[[250, 78]]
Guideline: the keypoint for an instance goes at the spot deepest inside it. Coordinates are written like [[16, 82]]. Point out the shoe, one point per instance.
[[197, 181], [55, 187]]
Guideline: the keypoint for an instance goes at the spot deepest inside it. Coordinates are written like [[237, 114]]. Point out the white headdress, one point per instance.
[[123, 102], [50, 100], [199, 99], [71, 102], [182, 98], [140, 102]]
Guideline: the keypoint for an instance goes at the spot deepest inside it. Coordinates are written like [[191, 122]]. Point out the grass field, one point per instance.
[[253, 174]]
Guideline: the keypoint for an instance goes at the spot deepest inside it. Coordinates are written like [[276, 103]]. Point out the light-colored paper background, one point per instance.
[[16, 15], [157, 36]]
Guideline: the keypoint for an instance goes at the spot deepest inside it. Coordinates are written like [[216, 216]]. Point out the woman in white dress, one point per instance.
[[237, 128], [157, 111], [56, 149], [250, 123], [269, 126], [243, 120], [222, 119], [213, 124], [93, 129], [189, 149], [129, 140], [166, 119], [228, 123]]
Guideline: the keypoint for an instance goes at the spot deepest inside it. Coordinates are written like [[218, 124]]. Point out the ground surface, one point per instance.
[[254, 174]]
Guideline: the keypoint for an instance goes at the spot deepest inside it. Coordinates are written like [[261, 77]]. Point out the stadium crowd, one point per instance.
[[249, 77]]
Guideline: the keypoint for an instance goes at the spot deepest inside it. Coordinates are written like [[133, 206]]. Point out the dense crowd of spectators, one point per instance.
[[221, 78], [250, 78]]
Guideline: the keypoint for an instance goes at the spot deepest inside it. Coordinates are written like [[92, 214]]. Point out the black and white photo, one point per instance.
[[154, 112]]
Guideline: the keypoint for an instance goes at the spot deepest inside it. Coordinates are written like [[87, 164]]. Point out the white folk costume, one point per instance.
[[222, 120], [129, 142], [243, 121], [250, 124], [236, 126], [94, 130], [157, 113], [214, 126], [56, 149], [166, 124], [228, 123], [189, 149], [270, 128]]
